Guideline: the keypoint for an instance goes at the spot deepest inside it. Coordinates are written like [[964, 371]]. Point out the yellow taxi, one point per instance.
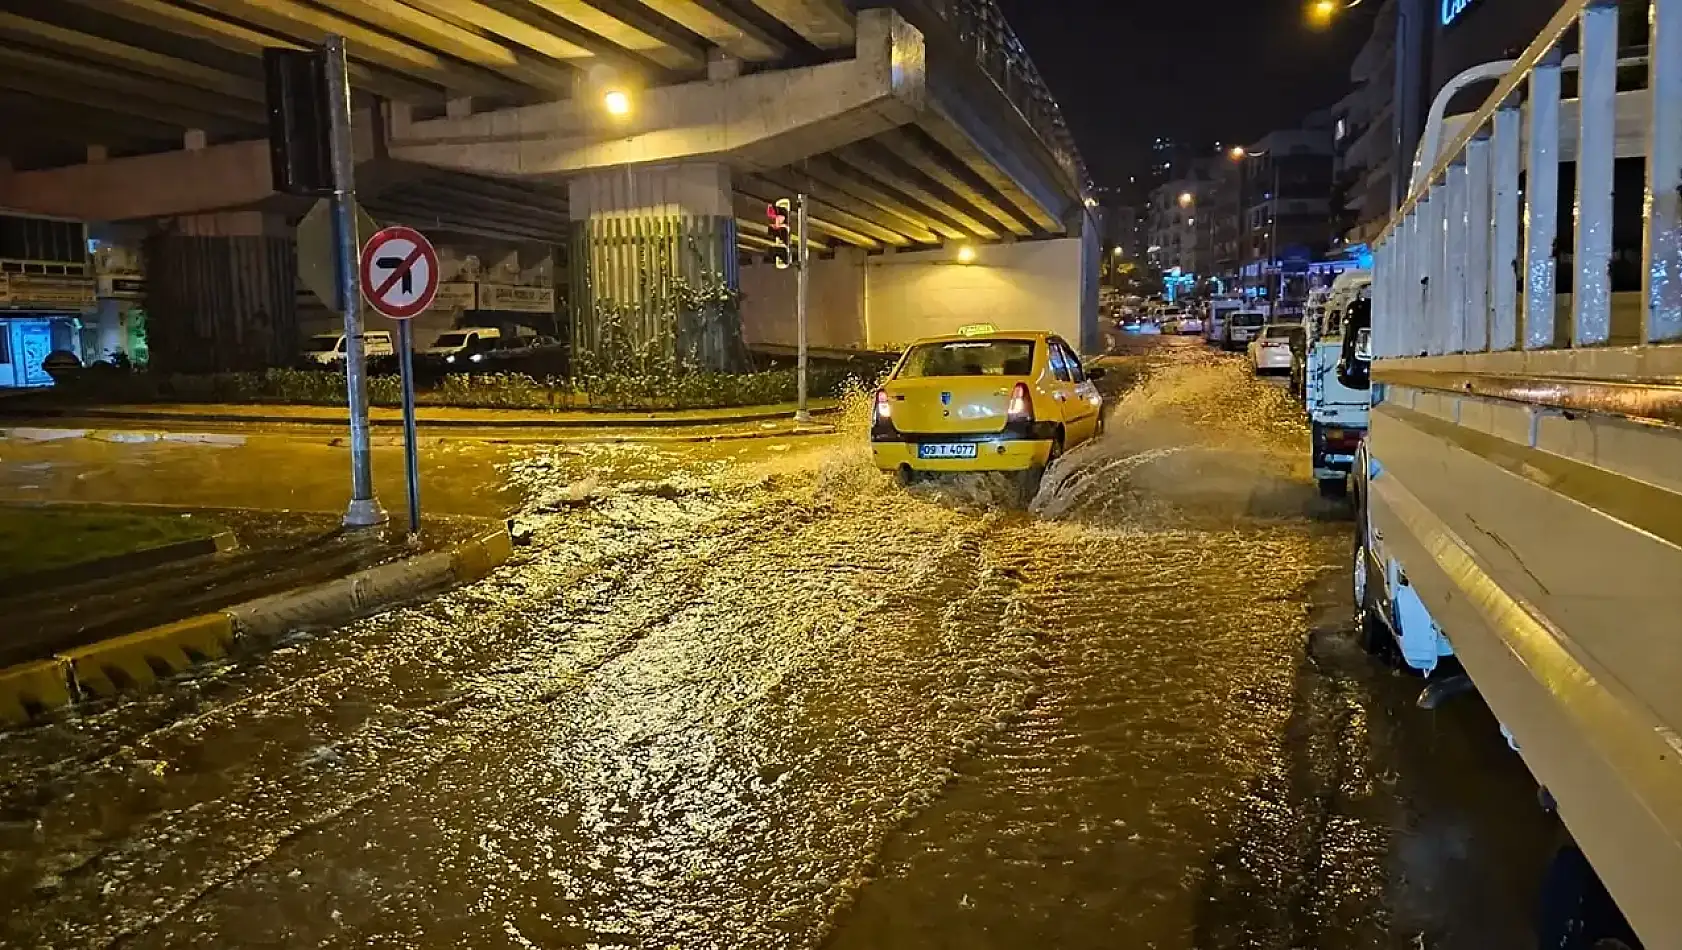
[[984, 401]]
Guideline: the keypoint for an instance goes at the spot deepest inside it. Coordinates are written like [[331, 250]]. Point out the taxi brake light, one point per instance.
[[1021, 407], [884, 408]]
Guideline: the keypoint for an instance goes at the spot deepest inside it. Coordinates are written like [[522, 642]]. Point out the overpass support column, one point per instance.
[[653, 270], [221, 293]]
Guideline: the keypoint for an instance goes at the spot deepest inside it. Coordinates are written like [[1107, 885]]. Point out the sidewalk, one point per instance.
[[426, 416]]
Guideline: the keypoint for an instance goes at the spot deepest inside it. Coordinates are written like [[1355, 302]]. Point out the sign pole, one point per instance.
[[398, 272], [802, 279], [411, 456], [364, 509]]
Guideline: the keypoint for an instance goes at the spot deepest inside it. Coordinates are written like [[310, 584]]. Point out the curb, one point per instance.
[[607, 420], [140, 659]]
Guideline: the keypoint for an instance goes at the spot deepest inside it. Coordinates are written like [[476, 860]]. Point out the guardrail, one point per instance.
[[980, 26], [1471, 262]]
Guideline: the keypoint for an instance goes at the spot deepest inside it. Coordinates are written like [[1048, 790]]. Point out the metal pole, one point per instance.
[[802, 279], [364, 508], [411, 452], [1278, 292]]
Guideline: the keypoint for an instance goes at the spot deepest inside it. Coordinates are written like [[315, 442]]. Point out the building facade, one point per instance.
[[1286, 196], [1364, 136]]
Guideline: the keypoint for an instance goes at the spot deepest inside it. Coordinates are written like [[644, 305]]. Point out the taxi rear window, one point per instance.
[[970, 358]]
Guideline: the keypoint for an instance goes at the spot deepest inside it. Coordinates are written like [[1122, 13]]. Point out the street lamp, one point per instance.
[[1185, 199], [1321, 12], [966, 255], [617, 102]]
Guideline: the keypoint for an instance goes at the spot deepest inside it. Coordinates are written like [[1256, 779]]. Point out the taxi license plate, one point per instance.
[[946, 450]]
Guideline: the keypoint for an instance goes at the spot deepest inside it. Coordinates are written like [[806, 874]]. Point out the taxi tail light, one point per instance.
[[1021, 409], [882, 418]]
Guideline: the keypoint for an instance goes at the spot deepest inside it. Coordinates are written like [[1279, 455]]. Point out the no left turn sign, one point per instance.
[[399, 272]]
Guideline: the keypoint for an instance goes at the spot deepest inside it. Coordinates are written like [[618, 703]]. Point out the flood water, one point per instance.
[[751, 695]]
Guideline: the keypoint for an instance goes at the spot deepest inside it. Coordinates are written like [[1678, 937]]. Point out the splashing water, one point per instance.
[[1196, 438]]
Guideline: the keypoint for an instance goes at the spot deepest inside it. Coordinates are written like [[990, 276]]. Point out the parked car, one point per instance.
[[1272, 350], [326, 349], [464, 342], [1240, 328]]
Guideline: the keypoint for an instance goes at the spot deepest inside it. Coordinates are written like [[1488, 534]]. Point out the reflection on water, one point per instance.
[[755, 696]]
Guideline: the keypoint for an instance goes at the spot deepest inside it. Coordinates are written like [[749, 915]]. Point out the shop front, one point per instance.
[[40, 315]]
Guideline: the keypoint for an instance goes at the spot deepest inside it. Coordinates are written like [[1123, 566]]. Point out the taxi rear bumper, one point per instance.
[[1010, 450]]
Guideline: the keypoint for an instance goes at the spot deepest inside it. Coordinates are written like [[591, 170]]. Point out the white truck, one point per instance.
[[1337, 410], [1519, 493]]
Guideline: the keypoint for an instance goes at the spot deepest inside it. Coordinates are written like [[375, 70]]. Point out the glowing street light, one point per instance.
[[1237, 153], [617, 102], [1185, 199], [1321, 12], [966, 255]]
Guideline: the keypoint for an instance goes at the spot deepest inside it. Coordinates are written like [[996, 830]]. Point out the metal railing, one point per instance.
[[1471, 262], [980, 27]]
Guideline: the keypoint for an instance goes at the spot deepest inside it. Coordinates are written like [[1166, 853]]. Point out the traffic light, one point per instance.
[[782, 252], [298, 121]]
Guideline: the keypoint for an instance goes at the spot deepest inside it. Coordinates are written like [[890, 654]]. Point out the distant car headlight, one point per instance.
[[477, 357], [450, 359]]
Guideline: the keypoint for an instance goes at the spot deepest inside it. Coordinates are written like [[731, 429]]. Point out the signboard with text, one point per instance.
[[516, 299], [456, 295], [131, 287], [37, 292]]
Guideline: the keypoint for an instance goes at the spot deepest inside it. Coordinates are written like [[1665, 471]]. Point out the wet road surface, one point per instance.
[[751, 695]]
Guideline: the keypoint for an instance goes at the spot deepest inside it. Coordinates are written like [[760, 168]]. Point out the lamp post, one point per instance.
[[1239, 154]]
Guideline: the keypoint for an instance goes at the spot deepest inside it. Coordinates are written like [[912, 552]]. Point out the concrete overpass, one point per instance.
[[914, 125]]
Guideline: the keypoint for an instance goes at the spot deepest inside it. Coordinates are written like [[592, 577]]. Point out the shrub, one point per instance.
[[602, 390]]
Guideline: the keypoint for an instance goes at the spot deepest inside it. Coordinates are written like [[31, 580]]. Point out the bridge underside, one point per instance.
[[484, 119]]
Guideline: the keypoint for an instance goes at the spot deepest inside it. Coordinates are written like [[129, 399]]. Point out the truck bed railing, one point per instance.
[[1471, 264]]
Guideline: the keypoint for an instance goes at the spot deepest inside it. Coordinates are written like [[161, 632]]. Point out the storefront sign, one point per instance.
[[456, 295], [35, 292], [516, 299], [122, 288], [1451, 9]]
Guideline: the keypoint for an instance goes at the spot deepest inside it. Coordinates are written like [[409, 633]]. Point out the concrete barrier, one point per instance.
[[139, 659]]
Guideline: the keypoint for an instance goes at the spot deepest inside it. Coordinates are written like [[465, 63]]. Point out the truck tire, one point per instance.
[[1337, 487], [1575, 911], [1370, 629]]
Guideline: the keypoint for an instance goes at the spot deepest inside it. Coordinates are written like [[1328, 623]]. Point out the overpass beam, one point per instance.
[[653, 268]]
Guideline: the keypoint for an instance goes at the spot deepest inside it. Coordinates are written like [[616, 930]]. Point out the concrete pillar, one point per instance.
[[653, 269], [722, 66], [221, 293]]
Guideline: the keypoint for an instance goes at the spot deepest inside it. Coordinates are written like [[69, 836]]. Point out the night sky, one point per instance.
[[1127, 71]]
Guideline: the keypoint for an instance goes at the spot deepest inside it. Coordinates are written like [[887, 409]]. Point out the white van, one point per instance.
[[329, 348], [463, 340]]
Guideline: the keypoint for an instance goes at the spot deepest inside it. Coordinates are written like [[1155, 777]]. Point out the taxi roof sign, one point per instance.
[[977, 329]]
